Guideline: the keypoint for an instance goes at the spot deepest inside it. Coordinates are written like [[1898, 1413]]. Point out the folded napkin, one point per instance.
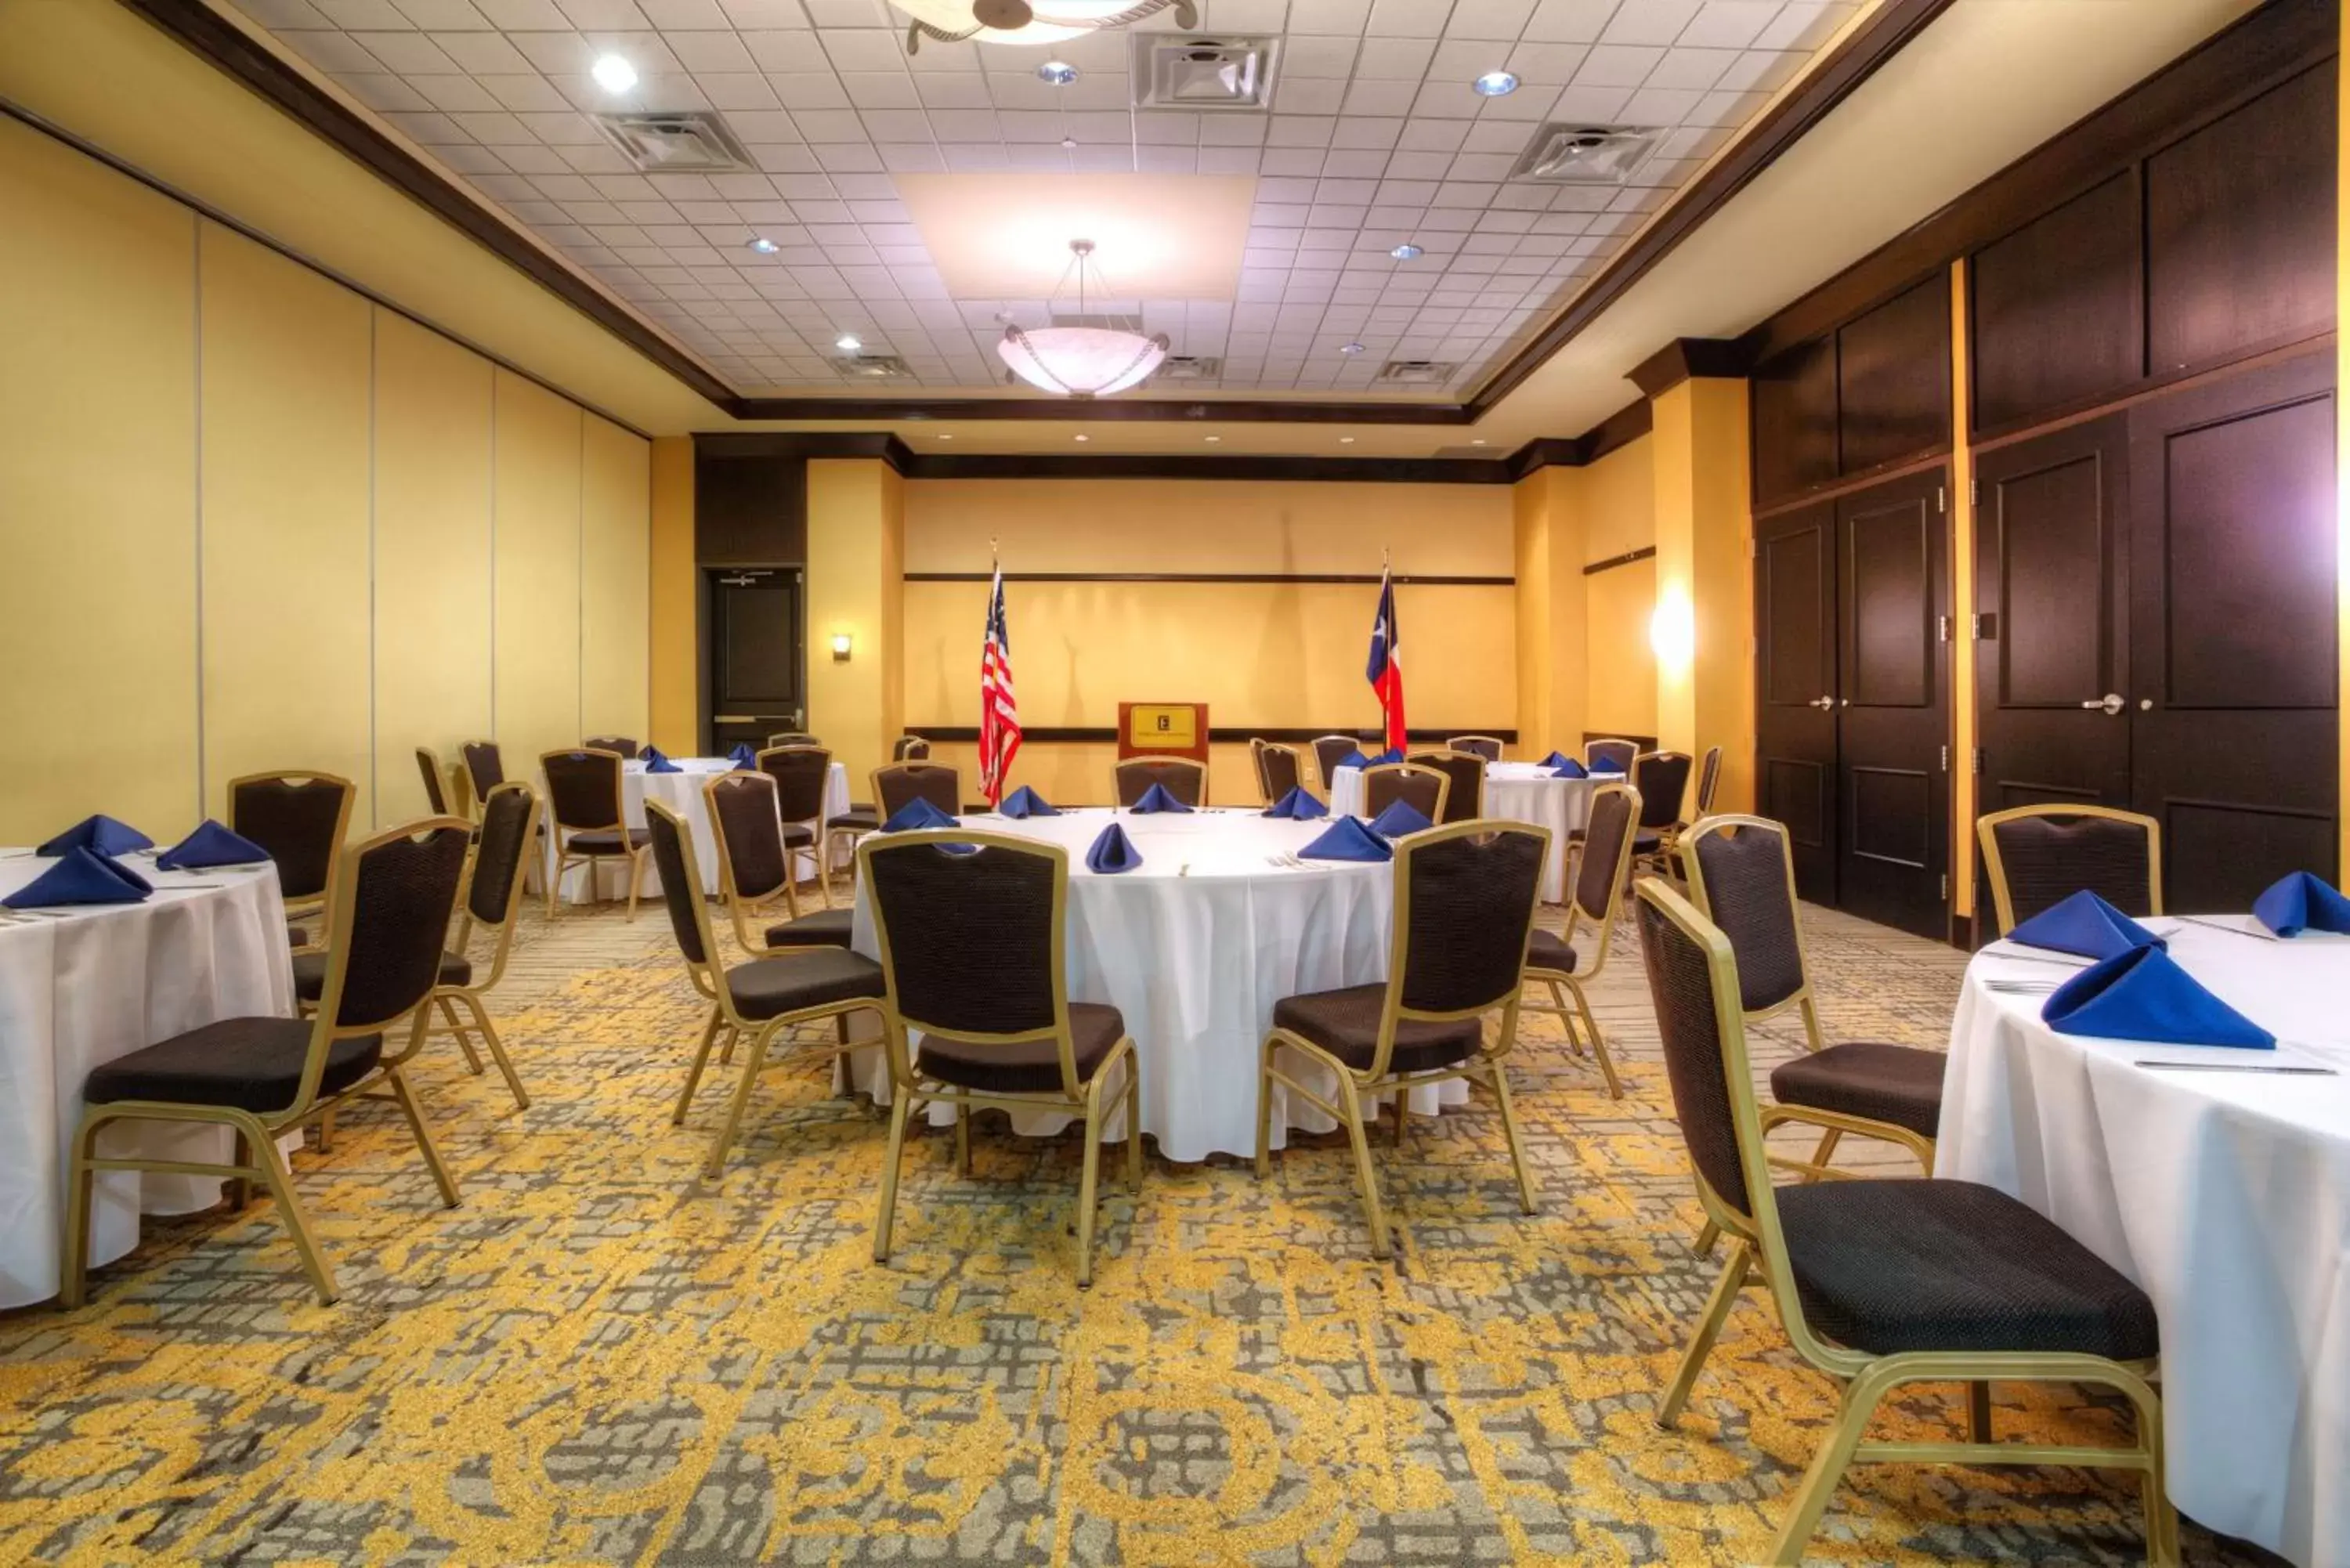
[[102, 834], [656, 762], [1568, 768], [210, 845], [2143, 994], [2084, 924], [1156, 799], [1113, 852], [1400, 818], [1348, 839], [918, 814], [1296, 807], [2301, 902], [1353, 760], [1392, 754], [742, 756], [1025, 802], [82, 876], [1556, 760]]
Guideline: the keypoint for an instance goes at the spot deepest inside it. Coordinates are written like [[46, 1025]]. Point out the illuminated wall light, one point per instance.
[[1672, 630], [843, 645]]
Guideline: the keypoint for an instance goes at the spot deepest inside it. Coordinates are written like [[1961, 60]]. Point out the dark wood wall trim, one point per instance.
[[1646, 743], [1645, 552], [1222, 735], [1357, 578], [1111, 411], [1684, 358]]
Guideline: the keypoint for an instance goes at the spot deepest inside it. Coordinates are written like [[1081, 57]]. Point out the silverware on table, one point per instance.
[[2061, 959], [2288, 1071], [2224, 926]]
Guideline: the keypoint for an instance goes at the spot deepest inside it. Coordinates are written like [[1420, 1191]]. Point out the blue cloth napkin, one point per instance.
[[1568, 768], [742, 756], [82, 876], [1558, 760], [2084, 924], [1400, 818], [1392, 754], [1113, 852], [1156, 799], [1298, 806], [656, 762], [1348, 839], [1353, 760], [102, 834], [918, 814], [1025, 802], [210, 845], [2143, 994], [2301, 902]]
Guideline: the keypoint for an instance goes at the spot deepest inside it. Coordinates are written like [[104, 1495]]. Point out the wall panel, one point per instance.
[[285, 393], [537, 604], [615, 564], [432, 556], [1620, 602]]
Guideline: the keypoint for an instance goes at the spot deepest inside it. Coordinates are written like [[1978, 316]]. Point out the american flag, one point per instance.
[[1385, 670], [999, 711]]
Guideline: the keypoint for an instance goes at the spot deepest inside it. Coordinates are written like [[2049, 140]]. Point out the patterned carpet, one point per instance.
[[595, 1361]]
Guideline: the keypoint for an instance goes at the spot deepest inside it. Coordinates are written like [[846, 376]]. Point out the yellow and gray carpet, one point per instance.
[[598, 1360]]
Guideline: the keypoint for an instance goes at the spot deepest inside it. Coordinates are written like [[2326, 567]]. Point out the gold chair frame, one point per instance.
[[636, 855], [910, 1091], [448, 998], [1443, 785], [1314, 747], [1758, 1255], [744, 908], [709, 978], [1563, 983], [815, 847], [1452, 744], [1198, 768], [1258, 751], [1659, 859], [2003, 904], [1422, 759], [1487, 1066], [257, 1156], [1634, 746], [782, 738], [303, 909]]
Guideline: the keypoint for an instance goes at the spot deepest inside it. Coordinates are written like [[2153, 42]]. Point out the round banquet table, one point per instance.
[[1193, 946], [682, 792], [1514, 792], [2224, 1195], [99, 981]]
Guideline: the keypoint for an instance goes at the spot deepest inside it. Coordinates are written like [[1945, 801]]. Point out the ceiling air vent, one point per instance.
[[1416, 372], [1186, 72], [873, 368], [688, 141], [1565, 153], [1189, 367]]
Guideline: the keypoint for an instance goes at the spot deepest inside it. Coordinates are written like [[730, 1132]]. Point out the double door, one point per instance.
[[2158, 626], [1851, 715]]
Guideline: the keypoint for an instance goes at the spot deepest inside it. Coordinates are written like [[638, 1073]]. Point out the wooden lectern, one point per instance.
[[1163, 730]]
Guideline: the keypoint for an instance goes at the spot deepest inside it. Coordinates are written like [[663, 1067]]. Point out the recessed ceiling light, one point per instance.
[[1350, 348], [1494, 84], [1211, 440], [1060, 73], [1346, 440], [1478, 441], [946, 435], [849, 343], [613, 73], [1082, 436], [1068, 144], [1406, 253], [764, 246]]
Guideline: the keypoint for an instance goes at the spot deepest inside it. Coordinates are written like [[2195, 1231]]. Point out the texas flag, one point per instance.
[[1386, 672]]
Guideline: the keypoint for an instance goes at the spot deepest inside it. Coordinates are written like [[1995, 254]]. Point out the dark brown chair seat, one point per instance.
[[1031, 1066], [295, 937], [1897, 1084], [1893, 1266], [1648, 841], [1552, 951], [856, 816], [826, 928], [251, 1063], [1346, 1023], [310, 973], [605, 841], [797, 834], [788, 983]]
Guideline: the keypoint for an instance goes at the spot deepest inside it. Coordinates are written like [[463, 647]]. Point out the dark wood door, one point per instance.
[[1893, 705], [1795, 680], [2052, 648], [2233, 630], [755, 657]]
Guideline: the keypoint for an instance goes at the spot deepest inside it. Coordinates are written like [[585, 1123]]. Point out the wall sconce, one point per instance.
[[1672, 630], [842, 646]]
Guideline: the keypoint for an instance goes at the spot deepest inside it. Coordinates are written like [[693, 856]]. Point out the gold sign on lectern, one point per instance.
[[1163, 730]]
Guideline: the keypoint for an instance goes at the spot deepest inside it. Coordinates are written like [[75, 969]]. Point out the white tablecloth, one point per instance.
[[1195, 959], [2226, 1196], [1514, 792], [682, 792], [100, 982]]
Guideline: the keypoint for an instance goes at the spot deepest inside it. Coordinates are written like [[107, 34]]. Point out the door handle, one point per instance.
[[2110, 703], [1823, 703], [754, 718]]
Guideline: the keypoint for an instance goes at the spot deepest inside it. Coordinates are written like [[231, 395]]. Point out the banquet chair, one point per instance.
[[2038, 855], [1464, 773], [1885, 1283], [1709, 779], [899, 785], [972, 931], [800, 774], [1662, 779], [751, 1002], [1464, 907], [1740, 872], [485, 767], [1277, 770], [1609, 756], [1486, 746], [755, 867], [436, 781], [858, 820], [1185, 779], [793, 738], [257, 1078], [299, 819], [624, 745], [584, 792], [1329, 751], [1424, 787], [1594, 896]]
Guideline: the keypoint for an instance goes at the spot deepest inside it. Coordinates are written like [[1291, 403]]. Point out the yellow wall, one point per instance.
[[675, 719], [318, 592], [1584, 664], [1704, 529], [856, 543]]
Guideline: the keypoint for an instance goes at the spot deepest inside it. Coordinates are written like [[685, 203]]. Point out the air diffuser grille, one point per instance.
[[683, 142], [1565, 153]]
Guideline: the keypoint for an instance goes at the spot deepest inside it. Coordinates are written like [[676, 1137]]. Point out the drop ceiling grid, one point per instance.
[[1375, 138]]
